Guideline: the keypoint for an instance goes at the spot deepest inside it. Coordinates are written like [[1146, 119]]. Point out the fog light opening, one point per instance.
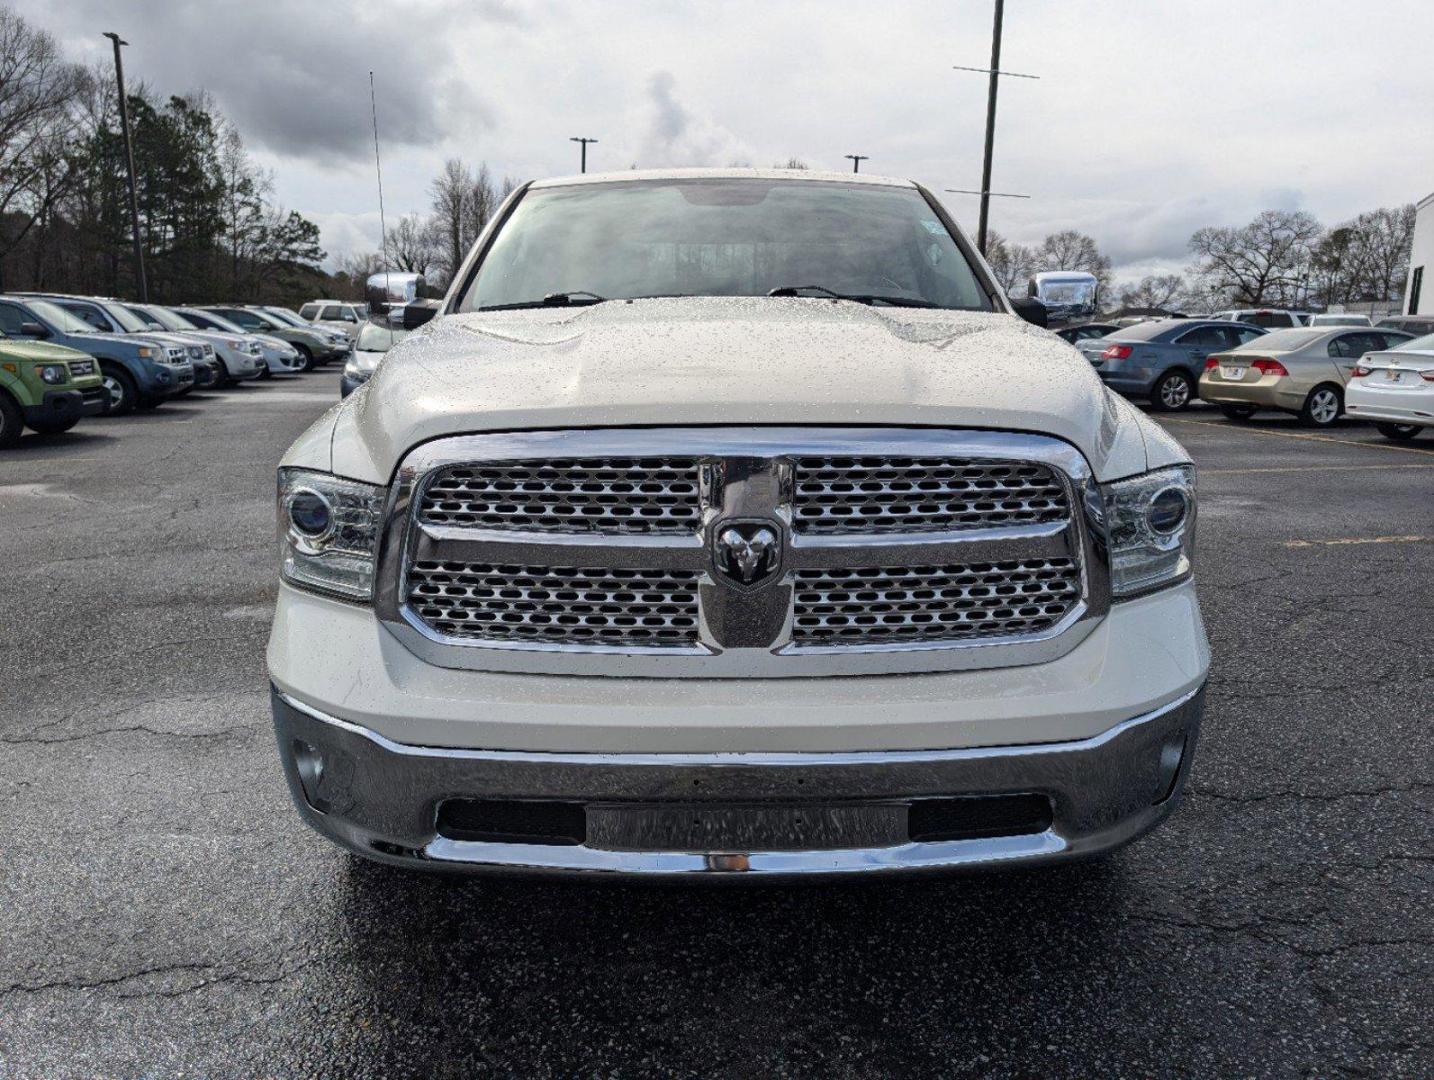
[[309, 763], [1171, 755]]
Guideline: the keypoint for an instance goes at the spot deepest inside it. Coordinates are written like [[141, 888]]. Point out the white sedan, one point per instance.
[[1395, 389]]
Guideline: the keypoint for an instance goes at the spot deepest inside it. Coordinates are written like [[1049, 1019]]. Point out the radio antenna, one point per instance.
[[382, 224]]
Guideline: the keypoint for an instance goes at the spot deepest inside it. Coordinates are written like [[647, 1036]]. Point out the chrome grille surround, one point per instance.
[[844, 495], [516, 584], [600, 495]]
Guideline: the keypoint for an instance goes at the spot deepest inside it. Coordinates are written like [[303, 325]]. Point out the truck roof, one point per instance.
[[722, 174]]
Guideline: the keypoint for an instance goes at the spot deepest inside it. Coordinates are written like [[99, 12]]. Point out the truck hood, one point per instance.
[[738, 360]]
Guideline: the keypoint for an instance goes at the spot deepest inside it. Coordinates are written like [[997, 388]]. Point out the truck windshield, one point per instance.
[[724, 237]]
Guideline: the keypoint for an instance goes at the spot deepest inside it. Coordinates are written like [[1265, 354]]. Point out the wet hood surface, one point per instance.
[[728, 361]]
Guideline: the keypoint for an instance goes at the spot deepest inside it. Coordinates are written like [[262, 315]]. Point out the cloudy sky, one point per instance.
[[1151, 117]]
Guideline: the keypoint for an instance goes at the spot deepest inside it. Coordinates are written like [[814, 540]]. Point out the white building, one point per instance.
[[1417, 299]]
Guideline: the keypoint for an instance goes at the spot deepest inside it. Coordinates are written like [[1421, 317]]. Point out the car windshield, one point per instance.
[[129, 322], [376, 338], [60, 319], [285, 316], [259, 320], [1419, 344], [1281, 341], [724, 237], [203, 318], [167, 319]]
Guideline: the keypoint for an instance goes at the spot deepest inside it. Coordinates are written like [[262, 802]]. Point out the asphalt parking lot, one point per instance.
[[166, 914]]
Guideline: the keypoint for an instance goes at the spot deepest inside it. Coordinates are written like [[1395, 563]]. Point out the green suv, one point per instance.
[[46, 388]]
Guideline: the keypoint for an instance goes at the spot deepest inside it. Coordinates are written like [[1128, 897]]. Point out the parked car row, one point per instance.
[[63, 357], [1317, 372]]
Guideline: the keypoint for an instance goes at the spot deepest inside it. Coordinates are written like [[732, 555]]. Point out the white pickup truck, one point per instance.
[[730, 522]]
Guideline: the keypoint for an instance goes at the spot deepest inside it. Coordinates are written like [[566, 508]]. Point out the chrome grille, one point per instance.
[[863, 606], [565, 605], [896, 494], [607, 552], [598, 495]]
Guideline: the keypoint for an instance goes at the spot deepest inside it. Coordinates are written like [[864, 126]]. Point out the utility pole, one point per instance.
[[856, 160], [990, 127], [129, 161], [995, 73], [578, 139]]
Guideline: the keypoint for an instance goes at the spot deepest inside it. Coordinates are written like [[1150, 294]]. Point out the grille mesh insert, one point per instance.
[[891, 494], [932, 603], [565, 605], [607, 495]]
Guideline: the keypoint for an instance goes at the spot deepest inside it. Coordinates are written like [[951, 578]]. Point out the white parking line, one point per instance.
[[1347, 540], [1308, 468], [1291, 435]]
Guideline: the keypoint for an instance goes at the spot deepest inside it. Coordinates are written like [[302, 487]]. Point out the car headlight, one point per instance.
[[329, 532], [1149, 525], [53, 374]]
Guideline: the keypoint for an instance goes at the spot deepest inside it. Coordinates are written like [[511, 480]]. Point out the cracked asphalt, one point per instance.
[[165, 913]]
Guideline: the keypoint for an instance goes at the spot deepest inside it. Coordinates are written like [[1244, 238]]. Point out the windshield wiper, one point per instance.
[[860, 298], [557, 299]]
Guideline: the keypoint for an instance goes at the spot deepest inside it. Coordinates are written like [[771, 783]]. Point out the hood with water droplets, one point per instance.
[[740, 360]]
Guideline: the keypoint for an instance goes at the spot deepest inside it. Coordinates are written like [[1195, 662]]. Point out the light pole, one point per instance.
[[856, 160], [129, 162], [579, 139]]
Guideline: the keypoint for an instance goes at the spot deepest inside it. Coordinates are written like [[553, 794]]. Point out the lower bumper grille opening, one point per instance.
[[975, 817], [513, 821]]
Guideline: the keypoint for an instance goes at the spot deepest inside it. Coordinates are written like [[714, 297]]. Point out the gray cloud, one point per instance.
[[295, 78], [673, 136]]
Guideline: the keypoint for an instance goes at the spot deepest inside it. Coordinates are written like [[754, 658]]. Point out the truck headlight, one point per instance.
[[328, 532], [1149, 525], [53, 374]]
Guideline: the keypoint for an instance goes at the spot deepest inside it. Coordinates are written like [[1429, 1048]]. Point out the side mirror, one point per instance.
[[419, 312], [33, 329], [1030, 309]]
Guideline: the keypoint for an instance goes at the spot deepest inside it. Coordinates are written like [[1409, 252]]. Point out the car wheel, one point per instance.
[[121, 389], [55, 427], [1172, 392], [1399, 432], [222, 378], [1323, 406], [1238, 412], [12, 422], [306, 356], [266, 372]]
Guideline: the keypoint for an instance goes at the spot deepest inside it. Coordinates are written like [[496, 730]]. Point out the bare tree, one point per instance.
[[1072, 250], [1264, 262], [1381, 240], [40, 93], [452, 192], [792, 163], [1012, 263], [1153, 291], [411, 245]]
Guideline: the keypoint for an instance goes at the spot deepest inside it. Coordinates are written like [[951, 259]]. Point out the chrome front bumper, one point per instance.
[[388, 801]]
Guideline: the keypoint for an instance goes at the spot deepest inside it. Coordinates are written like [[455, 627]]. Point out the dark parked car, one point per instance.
[[1074, 334], [1418, 325], [1162, 360]]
